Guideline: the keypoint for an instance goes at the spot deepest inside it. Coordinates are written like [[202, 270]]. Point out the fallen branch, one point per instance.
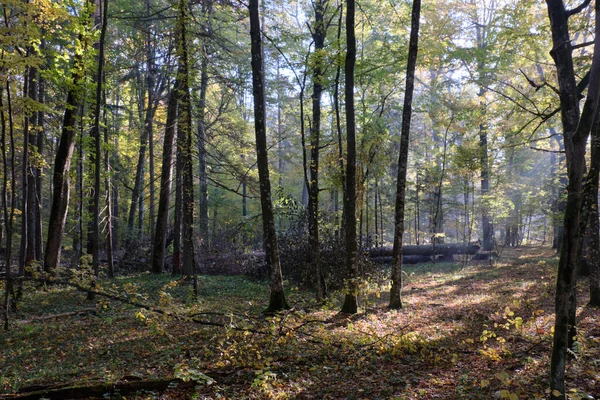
[[84, 311]]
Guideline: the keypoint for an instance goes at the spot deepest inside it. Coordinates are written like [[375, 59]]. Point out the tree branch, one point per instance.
[[579, 8]]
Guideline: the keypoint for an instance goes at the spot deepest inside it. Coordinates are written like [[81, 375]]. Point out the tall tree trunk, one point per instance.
[[575, 131], [350, 302], [486, 221], [37, 203], [166, 177], [62, 164], [93, 246], [318, 34], [338, 118], [178, 211], [203, 201], [589, 215], [150, 83], [8, 215], [184, 132], [27, 252], [277, 299], [107, 194], [413, 48]]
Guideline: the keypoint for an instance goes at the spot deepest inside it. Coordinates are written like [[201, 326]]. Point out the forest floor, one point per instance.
[[475, 331]]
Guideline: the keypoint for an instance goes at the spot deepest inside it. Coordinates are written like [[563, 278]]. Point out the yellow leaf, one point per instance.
[[484, 383], [556, 393]]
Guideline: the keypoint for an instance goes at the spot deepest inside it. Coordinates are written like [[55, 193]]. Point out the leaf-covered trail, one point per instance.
[[476, 332]]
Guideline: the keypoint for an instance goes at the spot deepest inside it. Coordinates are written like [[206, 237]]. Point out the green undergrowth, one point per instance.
[[467, 331]]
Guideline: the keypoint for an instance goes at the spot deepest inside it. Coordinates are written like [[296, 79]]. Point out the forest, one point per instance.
[[308, 199]]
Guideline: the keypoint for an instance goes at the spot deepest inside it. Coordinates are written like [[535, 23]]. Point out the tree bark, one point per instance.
[[277, 299], [413, 48]]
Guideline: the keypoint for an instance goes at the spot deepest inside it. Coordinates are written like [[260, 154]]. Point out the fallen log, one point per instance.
[[100, 390], [448, 249]]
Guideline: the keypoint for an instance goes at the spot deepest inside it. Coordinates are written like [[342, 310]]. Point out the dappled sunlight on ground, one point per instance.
[[470, 331]]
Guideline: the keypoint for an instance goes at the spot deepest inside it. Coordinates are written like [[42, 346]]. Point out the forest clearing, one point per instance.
[[474, 331]]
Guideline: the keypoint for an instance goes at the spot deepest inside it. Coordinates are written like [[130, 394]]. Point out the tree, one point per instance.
[[184, 144], [64, 153], [319, 30], [576, 129], [413, 48], [350, 302], [277, 299], [162, 216]]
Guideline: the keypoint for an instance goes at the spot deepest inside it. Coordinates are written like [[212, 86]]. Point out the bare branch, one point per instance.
[[579, 8]]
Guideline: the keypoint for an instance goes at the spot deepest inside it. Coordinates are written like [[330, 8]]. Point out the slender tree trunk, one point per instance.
[[8, 215], [319, 32], [277, 299], [486, 222], [26, 252], [37, 204], [166, 177], [350, 302], [93, 246], [575, 131], [150, 83], [178, 218], [338, 118], [413, 47], [203, 201], [107, 195]]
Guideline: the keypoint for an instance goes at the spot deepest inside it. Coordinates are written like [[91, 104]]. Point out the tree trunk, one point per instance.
[[184, 132], [575, 131], [318, 34], [62, 163], [589, 214], [107, 194], [27, 252], [8, 215], [350, 302], [178, 218], [93, 246], [413, 48], [166, 177], [203, 201], [37, 203], [277, 300]]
